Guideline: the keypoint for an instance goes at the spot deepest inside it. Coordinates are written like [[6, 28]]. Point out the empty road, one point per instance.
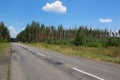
[[29, 63]]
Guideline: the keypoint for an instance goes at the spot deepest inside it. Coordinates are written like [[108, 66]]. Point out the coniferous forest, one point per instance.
[[4, 33], [82, 35]]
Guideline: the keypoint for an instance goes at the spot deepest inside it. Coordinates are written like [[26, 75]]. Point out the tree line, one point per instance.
[[4, 33], [83, 35], [35, 32], [96, 38]]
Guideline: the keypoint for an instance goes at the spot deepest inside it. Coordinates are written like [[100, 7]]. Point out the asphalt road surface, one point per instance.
[[29, 63]]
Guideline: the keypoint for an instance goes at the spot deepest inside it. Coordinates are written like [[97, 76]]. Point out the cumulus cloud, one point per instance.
[[13, 32], [105, 20], [56, 6]]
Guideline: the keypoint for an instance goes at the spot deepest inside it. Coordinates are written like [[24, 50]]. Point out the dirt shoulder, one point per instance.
[[4, 63]]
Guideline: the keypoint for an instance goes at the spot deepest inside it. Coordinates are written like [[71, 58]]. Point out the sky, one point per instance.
[[101, 14]]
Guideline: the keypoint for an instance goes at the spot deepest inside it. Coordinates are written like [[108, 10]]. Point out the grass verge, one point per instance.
[[110, 54], [3, 47], [5, 54]]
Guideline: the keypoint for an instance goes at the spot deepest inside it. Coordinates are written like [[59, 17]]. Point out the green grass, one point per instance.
[[110, 54], [3, 47]]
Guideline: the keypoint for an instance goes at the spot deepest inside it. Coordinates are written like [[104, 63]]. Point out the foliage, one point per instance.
[[35, 32], [95, 38], [4, 33], [59, 42], [83, 35], [113, 41]]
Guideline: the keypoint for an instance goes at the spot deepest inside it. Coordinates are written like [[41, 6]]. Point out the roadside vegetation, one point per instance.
[[82, 41], [3, 47], [110, 54], [4, 52], [4, 38]]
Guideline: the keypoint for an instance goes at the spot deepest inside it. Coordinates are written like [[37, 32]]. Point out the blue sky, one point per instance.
[[102, 14]]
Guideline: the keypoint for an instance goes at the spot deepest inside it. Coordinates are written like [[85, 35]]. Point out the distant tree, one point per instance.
[[4, 32], [60, 32], [119, 35], [79, 36], [119, 32]]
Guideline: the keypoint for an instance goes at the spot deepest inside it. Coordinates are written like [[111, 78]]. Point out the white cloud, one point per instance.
[[105, 20], [56, 6], [13, 32]]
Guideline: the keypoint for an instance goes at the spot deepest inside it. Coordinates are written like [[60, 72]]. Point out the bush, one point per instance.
[[112, 41], [91, 42], [3, 40], [58, 42]]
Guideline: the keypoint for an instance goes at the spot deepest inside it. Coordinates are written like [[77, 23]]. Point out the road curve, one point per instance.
[[29, 63]]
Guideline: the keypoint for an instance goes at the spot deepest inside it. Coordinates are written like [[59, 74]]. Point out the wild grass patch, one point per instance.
[[3, 46]]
